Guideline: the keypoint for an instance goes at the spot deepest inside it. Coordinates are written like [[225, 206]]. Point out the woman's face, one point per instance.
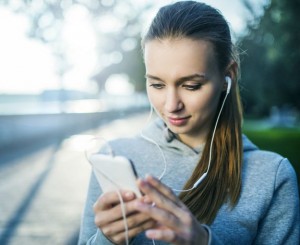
[[184, 85]]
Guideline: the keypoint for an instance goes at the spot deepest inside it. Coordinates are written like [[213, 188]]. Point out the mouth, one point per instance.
[[178, 121]]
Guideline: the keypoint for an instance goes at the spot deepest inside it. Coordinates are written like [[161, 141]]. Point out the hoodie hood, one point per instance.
[[158, 132], [248, 145]]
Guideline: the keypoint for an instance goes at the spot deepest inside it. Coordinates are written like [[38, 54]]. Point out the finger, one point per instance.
[[162, 216], [160, 200], [114, 213], [106, 217], [146, 199], [166, 235], [171, 213], [133, 221], [166, 191], [110, 199], [121, 236]]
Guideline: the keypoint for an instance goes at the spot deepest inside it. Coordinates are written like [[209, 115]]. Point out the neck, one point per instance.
[[192, 141]]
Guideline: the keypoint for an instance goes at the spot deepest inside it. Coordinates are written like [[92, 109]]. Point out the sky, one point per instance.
[[27, 65]]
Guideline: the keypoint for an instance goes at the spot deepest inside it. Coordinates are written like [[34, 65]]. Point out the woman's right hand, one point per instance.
[[108, 216]]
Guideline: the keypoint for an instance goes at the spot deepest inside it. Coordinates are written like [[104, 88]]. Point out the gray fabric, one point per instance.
[[268, 209]]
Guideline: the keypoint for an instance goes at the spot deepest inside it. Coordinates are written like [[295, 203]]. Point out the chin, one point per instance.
[[177, 130]]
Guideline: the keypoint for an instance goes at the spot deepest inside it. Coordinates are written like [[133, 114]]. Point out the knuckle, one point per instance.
[[98, 221], [130, 222], [160, 202], [118, 238], [169, 191], [187, 219], [97, 204], [148, 225], [95, 207], [102, 199], [129, 207], [171, 217], [176, 221], [107, 231]]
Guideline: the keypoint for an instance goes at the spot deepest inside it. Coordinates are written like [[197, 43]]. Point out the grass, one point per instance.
[[285, 141]]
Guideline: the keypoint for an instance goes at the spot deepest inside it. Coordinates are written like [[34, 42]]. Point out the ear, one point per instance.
[[232, 72]]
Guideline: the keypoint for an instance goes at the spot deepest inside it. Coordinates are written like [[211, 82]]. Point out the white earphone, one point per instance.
[[228, 81]]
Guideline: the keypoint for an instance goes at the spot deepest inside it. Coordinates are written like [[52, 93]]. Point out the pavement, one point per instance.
[[42, 193]]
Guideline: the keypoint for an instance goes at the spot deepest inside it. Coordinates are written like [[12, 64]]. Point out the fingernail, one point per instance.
[[151, 178], [148, 177], [150, 234], [129, 194], [144, 183]]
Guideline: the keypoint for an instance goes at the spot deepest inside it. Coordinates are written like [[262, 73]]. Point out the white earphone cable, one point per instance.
[[203, 176], [156, 144], [210, 153], [123, 209], [117, 187]]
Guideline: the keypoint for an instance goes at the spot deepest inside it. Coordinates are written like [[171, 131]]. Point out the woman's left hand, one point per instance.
[[177, 225]]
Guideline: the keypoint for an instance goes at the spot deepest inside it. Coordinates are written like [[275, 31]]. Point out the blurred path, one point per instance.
[[42, 193]]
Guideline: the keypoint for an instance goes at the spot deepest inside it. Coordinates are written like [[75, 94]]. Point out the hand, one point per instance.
[[108, 216], [177, 225]]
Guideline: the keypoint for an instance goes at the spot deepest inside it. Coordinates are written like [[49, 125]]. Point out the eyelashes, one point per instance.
[[192, 87], [157, 85], [185, 86]]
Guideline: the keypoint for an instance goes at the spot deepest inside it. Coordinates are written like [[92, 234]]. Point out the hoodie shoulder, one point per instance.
[[248, 145], [249, 148], [261, 164]]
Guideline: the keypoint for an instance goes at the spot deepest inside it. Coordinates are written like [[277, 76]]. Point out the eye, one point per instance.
[[192, 87], [157, 85]]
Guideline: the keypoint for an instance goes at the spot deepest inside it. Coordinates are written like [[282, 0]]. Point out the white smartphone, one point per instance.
[[114, 172]]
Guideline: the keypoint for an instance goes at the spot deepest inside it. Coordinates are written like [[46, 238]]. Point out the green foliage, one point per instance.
[[285, 141], [269, 68]]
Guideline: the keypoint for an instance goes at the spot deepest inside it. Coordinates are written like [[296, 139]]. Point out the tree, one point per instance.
[[47, 19], [269, 68]]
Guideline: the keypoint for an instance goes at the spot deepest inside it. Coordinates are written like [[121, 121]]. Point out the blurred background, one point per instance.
[[73, 69]]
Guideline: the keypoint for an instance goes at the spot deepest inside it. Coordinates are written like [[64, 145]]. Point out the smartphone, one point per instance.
[[114, 172]]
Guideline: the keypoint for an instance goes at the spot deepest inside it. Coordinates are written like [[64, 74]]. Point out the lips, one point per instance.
[[178, 121]]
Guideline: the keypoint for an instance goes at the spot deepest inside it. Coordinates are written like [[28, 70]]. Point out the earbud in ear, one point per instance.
[[228, 81]]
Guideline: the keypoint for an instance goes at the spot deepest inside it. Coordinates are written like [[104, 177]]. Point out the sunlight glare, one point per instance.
[[27, 65], [118, 84], [80, 43]]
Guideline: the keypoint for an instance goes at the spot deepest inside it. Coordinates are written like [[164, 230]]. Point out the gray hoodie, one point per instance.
[[268, 208]]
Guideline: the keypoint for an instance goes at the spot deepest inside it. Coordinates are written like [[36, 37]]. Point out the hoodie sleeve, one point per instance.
[[280, 224], [89, 233]]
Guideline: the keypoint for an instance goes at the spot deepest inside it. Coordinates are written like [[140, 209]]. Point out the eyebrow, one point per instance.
[[182, 79]]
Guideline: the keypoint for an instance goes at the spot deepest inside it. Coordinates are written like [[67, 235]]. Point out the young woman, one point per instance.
[[232, 192]]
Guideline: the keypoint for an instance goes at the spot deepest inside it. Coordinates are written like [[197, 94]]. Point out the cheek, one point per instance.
[[206, 103], [154, 98], [198, 99], [150, 96]]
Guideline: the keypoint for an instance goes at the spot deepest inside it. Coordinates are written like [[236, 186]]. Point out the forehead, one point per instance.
[[182, 55]]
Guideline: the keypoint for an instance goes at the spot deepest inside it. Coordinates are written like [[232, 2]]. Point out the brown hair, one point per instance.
[[198, 21]]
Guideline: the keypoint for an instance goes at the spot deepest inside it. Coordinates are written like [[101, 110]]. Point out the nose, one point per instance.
[[173, 102]]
